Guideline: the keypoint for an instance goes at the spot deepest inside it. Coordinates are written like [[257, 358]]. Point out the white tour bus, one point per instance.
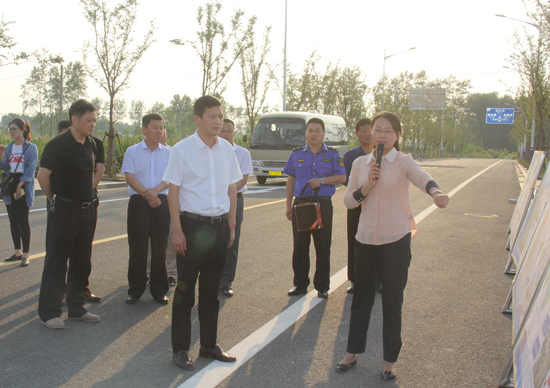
[[277, 134]]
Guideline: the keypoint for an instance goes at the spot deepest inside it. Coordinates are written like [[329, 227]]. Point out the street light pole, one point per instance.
[[284, 70], [384, 72], [538, 27]]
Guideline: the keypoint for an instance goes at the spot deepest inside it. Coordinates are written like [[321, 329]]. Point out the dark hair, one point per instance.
[[203, 103], [80, 108], [316, 120], [63, 124], [395, 124], [229, 121], [24, 126], [361, 123], [148, 118]]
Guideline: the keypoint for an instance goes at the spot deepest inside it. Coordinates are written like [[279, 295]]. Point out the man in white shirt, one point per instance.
[[202, 173], [245, 163], [148, 214]]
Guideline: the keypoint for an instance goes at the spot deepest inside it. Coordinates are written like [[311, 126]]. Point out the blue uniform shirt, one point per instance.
[[349, 158], [304, 165]]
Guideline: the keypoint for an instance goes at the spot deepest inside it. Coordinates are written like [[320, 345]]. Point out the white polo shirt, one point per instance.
[[245, 162], [147, 166], [203, 174]]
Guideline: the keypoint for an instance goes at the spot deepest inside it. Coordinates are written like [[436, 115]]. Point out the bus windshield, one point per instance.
[[279, 134]]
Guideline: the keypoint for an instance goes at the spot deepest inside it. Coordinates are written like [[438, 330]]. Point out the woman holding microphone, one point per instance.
[[19, 158], [383, 240]]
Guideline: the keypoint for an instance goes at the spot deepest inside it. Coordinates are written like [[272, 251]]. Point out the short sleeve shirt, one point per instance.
[[203, 174], [245, 162], [16, 157], [305, 165], [72, 165], [147, 166]]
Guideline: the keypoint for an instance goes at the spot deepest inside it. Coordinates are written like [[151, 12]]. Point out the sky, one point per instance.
[[462, 38]]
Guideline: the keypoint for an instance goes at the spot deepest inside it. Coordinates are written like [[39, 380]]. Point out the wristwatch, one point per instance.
[[322, 182]]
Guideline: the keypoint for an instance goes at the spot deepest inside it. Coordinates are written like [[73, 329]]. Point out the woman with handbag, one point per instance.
[[18, 160], [383, 239]]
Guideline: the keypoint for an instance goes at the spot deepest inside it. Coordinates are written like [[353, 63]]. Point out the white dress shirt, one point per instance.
[[245, 162], [146, 165], [203, 174]]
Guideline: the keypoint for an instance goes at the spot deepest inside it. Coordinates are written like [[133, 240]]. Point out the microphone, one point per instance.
[[379, 153]]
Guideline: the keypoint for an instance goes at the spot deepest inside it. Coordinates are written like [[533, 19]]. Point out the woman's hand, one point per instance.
[[374, 173], [18, 193], [440, 200]]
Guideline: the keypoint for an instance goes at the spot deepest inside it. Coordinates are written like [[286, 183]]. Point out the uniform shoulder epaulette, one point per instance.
[[298, 148], [332, 148]]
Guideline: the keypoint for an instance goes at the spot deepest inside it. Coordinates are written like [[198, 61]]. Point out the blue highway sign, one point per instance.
[[500, 116]]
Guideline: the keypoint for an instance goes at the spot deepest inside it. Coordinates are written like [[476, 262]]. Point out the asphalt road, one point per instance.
[[454, 334]]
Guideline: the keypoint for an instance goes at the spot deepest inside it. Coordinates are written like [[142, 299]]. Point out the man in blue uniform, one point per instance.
[[364, 135], [319, 167]]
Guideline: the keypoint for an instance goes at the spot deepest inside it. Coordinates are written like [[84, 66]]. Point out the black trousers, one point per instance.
[[146, 223], [204, 259], [322, 240], [69, 233], [394, 260], [230, 267], [353, 222], [18, 213]]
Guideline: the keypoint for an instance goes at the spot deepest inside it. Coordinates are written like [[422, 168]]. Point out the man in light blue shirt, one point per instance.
[[148, 214]]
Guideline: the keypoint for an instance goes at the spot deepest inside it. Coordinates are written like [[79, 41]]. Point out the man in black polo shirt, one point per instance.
[[66, 176]]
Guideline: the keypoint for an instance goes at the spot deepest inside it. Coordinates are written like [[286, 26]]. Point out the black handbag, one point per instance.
[[308, 215], [7, 181]]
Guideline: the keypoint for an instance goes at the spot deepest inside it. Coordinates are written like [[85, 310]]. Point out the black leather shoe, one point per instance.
[[89, 297], [297, 291], [322, 294], [388, 375], [14, 258], [183, 360], [351, 288], [161, 299], [217, 353], [227, 291], [132, 299], [341, 368]]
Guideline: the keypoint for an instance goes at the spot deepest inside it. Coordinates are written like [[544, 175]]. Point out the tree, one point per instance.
[[136, 113], [179, 117], [116, 54], [213, 45], [254, 81]]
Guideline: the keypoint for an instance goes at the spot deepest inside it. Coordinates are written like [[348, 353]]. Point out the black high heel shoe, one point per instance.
[[341, 368]]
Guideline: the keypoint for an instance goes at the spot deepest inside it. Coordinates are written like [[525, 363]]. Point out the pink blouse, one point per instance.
[[386, 215]]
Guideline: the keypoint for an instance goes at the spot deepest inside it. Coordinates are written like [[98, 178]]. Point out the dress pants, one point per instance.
[[394, 260], [204, 259], [70, 233], [230, 268], [322, 240], [18, 213], [171, 265], [353, 222], [146, 223]]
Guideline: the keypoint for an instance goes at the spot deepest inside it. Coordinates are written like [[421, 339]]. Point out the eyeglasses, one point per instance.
[[12, 129], [385, 133]]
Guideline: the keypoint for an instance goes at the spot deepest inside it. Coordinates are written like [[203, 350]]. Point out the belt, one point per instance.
[[311, 199], [209, 220], [82, 205], [140, 196], [239, 195]]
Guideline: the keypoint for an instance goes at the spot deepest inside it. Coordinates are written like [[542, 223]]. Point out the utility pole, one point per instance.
[[61, 94]]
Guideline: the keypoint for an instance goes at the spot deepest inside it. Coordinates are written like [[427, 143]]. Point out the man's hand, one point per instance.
[[179, 242], [231, 236], [314, 182], [154, 202], [149, 194], [289, 213]]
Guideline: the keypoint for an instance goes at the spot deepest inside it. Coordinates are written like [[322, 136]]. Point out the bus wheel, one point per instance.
[[261, 179]]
